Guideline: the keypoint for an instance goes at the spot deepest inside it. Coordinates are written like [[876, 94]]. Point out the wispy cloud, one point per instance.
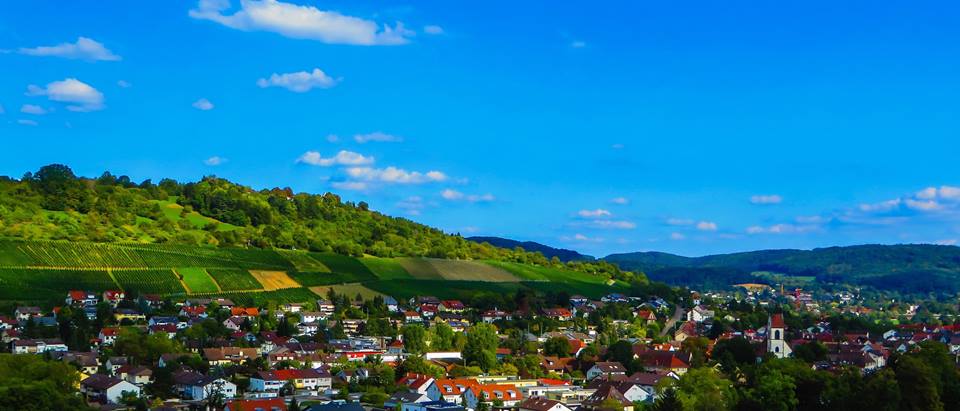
[[350, 185], [78, 96], [301, 22], [27, 123], [766, 199], [454, 195], [433, 29], [33, 109], [677, 236], [611, 224], [83, 49], [598, 213], [679, 221], [299, 82], [620, 201], [377, 137], [215, 161], [124, 84], [707, 226], [394, 175], [342, 158], [582, 238], [203, 105]]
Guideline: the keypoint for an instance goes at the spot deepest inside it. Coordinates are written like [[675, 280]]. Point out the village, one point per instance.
[[341, 353]]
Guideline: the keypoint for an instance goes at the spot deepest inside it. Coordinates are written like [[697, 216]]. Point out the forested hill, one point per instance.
[[908, 267], [547, 251], [55, 204]]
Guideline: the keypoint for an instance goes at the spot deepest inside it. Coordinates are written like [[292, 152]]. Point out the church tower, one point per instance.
[[776, 334]]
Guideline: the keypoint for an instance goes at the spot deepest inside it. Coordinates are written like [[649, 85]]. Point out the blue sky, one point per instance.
[[605, 127]]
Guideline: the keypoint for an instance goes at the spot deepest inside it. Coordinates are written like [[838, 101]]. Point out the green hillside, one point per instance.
[[906, 268]]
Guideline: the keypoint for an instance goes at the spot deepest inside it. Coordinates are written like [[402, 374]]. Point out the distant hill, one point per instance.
[[547, 251], [907, 267]]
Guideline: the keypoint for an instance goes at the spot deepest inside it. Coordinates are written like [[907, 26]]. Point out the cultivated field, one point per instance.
[[234, 279], [274, 280], [350, 290], [385, 268], [197, 280]]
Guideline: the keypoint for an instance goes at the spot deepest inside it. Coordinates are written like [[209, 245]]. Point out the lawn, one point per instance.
[[197, 280], [172, 210], [385, 268]]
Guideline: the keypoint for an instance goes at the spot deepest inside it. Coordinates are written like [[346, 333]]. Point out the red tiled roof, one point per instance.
[[776, 321]]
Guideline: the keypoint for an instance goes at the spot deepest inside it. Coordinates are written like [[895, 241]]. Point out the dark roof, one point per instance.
[[538, 404], [606, 393], [100, 382], [334, 406]]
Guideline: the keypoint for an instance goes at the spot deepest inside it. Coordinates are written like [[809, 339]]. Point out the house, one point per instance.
[[559, 314], [267, 404], [273, 381], [699, 314], [229, 355], [542, 404], [193, 311], [138, 376], [24, 314], [81, 298], [311, 316], [401, 398], [452, 389], [433, 406], [169, 329], [86, 362], [509, 395], [129, 315], [38, 346], [687, 330], [106, 389], [113, 297], [114, 363], [614, 298], [391, 303], [195, 386], [248, 312], [578, 300], [452, 306], [645, 315], [632, 391], [670, 361], [412, 317], [234, 323], [108, 335], [337, 406], [491, 316], [604, 396], [556, 364], [607, 368], [422, 384]]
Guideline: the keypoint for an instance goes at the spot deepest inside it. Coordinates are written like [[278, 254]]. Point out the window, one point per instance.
[[776, 335], [776, 349]]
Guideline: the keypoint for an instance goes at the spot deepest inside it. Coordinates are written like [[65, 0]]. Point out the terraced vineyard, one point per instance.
[[45, 270]]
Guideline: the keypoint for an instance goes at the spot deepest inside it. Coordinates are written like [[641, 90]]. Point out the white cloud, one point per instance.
[[412, 205], [677, 236], [349, 185], [332, 138], [620, 201], [454, 195], [124, 84], [881, 206], [395, 175], [598, 213], [433, 29], [578, 237], [342, 158], [83, 49], [948, 241], [378, 137], [679, 221], [578, 44], [707, 226], [922, 205], [78, 95], [214, 161], [203, 105], [781, 229], [27, 122], [299, 82], [301, 22], [609, 224], [33, 109], [766, 199]]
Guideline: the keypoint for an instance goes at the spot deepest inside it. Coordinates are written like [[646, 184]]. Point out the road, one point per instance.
[[677, 314]]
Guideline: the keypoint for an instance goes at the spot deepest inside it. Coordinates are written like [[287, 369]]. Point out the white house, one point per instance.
[[105, 388]]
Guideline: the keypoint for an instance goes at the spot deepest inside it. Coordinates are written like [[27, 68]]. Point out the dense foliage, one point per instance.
[[55, 204], [918, 268]]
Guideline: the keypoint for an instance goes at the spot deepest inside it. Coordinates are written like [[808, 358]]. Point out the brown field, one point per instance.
[[457, 270], [274, 280]]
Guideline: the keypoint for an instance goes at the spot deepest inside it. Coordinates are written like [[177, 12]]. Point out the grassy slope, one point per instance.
[[149, 268]]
